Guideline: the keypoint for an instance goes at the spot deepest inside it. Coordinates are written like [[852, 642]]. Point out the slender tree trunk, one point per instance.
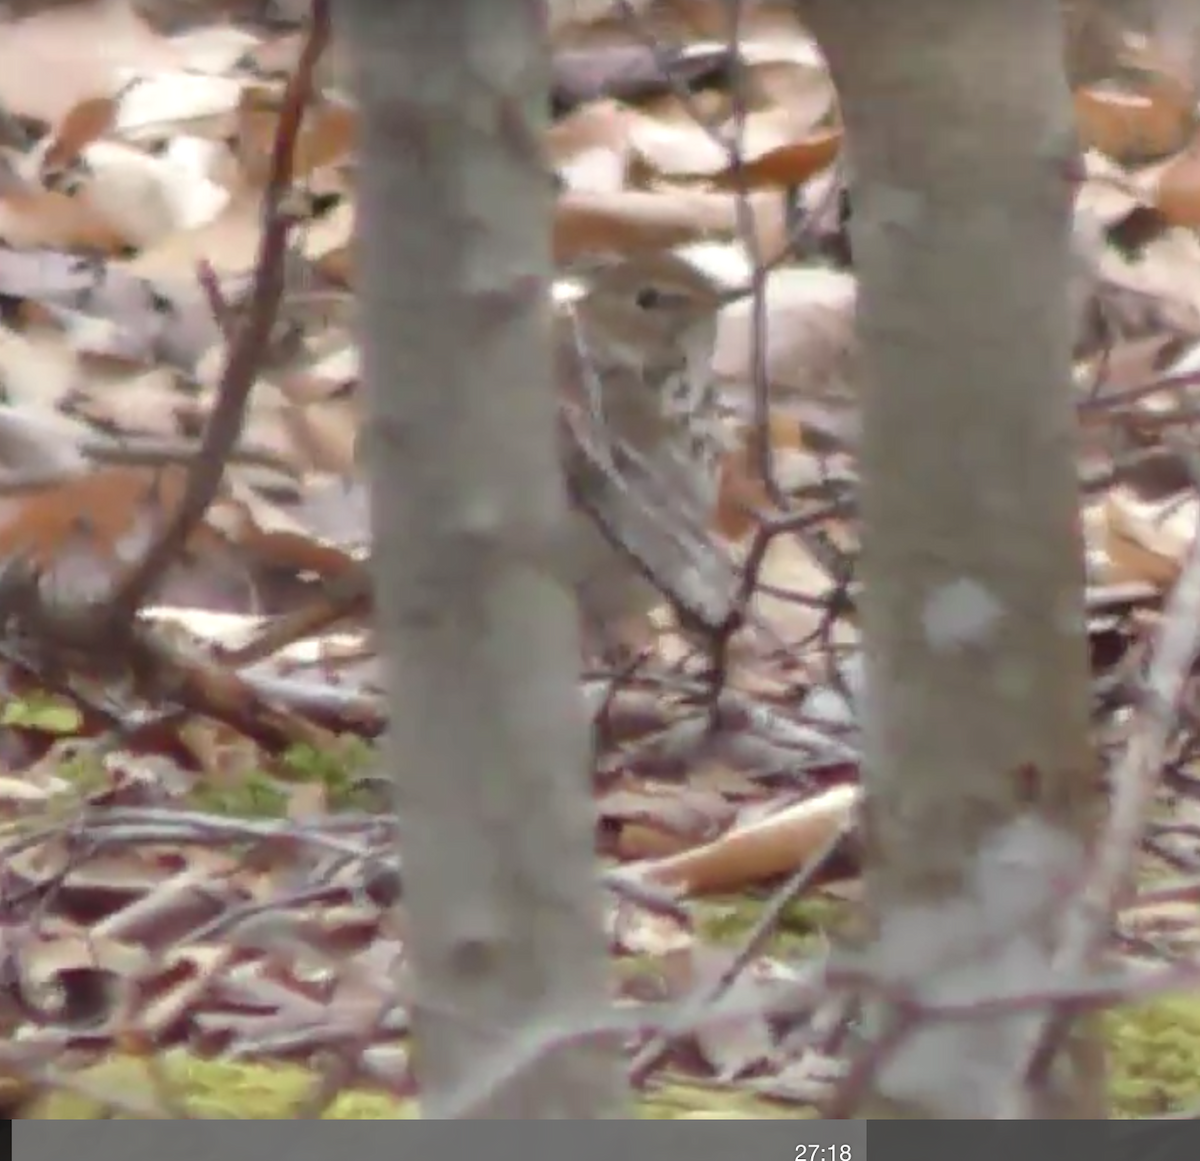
[[487, 734], [982, 788]]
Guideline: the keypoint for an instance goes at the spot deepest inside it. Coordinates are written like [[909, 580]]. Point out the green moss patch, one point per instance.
[[1154, 1067], [218, 1090], [1154, 1057], [204, 1090]]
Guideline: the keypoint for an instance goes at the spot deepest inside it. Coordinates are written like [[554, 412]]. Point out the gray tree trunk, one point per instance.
[[982, 787], [487, 734]]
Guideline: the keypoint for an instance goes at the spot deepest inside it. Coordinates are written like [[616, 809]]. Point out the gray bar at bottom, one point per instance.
[[1005, 1140], [790, 1140]]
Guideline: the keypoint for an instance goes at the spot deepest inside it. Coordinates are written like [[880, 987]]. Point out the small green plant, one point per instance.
[[253, 794], [84, 771], [226, 1090], [42, 712], [804, 927], [259, 793], [338, 769]]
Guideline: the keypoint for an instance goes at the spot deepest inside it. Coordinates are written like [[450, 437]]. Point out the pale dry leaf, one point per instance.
[[1166, 268], [148, 198], [229, 630], [755, 852], [210, 366], [728, 264], [1094, 521], [40, 440], [266, 433], [215, 49], [64, 54], [111, 350], [775, 41], [103, 345], [789, 568], [788, 133], [38, 371], [705, 107], [264, 429], [46, 276], [810, 339], [325, 434], [1109, 193], [145, 403], [58, 291], [326, 135], [277, 57], [178, 102], [589, 149], [1188, 362], [335, 509], [1146, 541], [635, 221], [274, 534], [1177, 190], [228, 243], [777, 80], [679, 149], [210, 159], [336, 369], [32, 217]]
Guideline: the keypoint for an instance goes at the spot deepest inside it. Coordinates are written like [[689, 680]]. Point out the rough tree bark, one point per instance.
[[982, 788], [487, 735]]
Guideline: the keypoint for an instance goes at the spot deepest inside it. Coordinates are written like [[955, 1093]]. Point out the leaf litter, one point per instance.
[[197, 846]]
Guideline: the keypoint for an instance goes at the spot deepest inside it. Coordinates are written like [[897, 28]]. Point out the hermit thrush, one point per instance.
[[642, 444], [643, 439]]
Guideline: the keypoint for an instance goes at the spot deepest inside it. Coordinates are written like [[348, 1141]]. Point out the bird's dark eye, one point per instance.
[[648, 298]]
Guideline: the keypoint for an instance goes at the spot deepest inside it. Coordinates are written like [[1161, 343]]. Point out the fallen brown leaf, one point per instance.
[[754, 853]]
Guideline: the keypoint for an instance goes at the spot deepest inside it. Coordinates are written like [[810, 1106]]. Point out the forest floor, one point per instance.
[[198, 904]]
